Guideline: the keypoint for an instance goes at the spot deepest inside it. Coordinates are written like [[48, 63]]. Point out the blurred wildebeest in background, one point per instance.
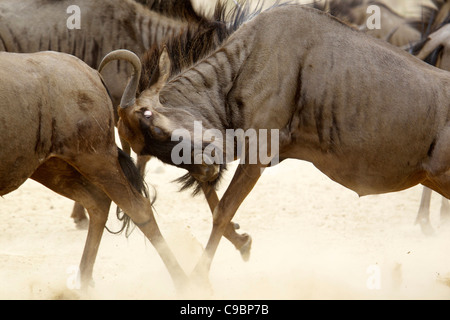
[[394, 28]]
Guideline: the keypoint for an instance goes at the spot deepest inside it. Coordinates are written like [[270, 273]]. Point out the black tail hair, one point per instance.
[[133, 175]]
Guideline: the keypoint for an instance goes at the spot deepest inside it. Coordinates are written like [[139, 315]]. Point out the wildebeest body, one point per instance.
[[57, 127], [44, 106], [353, 105], [38, 25], [369, 115]]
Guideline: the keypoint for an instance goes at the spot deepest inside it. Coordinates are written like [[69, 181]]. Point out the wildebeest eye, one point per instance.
[[148, 114]]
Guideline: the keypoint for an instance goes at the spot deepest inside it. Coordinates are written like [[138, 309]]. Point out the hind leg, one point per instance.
[[105, 171], [79, 214], [62, 178]]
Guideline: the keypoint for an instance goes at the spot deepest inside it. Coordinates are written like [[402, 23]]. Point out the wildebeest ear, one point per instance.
[[164, 66]]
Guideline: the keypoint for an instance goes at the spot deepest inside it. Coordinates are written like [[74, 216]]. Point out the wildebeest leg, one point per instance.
[[106, 173], [66, 181], [242, 242], [240, 186], [78, 212], [79, 216], [423, 216], [141, 163]]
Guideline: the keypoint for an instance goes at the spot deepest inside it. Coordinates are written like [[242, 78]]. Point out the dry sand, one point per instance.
[[312, 239]]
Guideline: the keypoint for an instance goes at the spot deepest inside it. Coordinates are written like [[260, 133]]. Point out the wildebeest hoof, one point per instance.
[[245, 250]]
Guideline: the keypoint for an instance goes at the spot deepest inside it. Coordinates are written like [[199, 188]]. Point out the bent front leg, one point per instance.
[[241, 242], [240, 186]]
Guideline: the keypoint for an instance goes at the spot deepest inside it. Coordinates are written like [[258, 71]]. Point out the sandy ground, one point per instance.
[[312, 239]]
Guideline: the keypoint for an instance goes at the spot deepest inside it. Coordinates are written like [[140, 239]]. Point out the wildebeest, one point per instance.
[[57, 127], [193, 43], [369, 115], [37, 25]]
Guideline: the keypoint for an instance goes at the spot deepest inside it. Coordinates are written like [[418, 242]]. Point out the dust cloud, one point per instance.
[[312, 239]]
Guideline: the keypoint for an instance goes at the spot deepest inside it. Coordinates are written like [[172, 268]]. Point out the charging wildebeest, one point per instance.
[[193, 43], [37, 25], [367, 114], [57, 127]]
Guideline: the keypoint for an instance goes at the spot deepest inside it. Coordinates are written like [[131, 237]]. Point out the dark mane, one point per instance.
[[195, 42]]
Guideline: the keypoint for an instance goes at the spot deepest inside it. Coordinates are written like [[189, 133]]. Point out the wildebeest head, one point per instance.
[[145, 124], [157, 120]]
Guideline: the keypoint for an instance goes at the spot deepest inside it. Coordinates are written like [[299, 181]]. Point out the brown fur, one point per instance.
[[367, 114], [124, 24], [183, 51], [49, 137]]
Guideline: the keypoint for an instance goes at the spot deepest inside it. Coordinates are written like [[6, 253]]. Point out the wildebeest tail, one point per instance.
[[135, 178]]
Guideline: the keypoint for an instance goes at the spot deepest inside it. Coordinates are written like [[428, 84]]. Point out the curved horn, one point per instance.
[[129, 95]]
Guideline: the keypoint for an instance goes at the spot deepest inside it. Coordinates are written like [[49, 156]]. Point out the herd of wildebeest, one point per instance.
[[369, 107]]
